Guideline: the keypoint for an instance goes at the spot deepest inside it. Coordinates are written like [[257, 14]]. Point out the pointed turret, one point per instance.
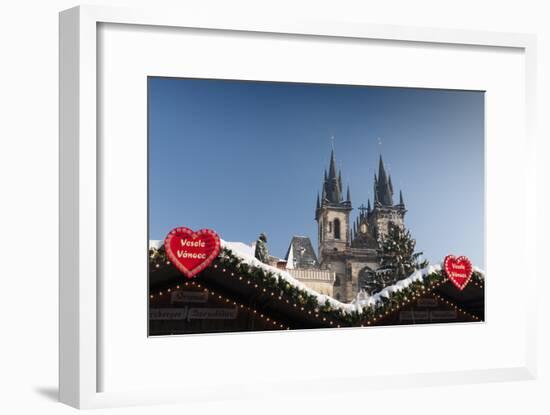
[[375, 189], [401, 202], [332, 186], [368, 206], [332, 211], [332, 167], [340, 187], [381, 170], [383, 186]]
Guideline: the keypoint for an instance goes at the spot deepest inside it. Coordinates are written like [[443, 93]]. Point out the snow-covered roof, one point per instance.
[[246, 254], [156, 244], [301, 253], [248, 258], [357, 305]]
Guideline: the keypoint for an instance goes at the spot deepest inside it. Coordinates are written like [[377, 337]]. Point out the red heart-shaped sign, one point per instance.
[[458, 270], [191, 252]]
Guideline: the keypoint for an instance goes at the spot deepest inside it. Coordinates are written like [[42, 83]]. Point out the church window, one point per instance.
[[337, 281], [336, 228]]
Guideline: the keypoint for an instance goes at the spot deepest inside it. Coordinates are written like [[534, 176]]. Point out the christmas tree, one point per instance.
[[398, 259]]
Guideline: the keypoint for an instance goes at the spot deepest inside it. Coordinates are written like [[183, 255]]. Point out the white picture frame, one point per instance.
[[80, 167]]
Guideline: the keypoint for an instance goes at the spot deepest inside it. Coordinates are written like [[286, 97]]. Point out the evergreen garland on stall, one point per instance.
[[269, 280]]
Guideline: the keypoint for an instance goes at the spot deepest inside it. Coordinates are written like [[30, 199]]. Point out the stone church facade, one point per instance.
[[348, 248]]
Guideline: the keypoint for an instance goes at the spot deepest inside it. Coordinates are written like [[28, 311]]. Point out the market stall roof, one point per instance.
[[238, 273]]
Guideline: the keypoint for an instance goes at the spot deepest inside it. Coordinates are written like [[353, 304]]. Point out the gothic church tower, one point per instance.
[[332, 214], [374, 224]]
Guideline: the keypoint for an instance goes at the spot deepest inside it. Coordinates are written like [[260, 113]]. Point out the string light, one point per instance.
[[227, 300], [457, 307], [271, 293], [414, 294], [426, 287]]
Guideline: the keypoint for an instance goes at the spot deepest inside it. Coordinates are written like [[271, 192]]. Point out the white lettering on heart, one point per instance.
[[197, 244], [191, 255]]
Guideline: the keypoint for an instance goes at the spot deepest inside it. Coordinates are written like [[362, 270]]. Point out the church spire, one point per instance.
[[338, 203], [401, 202], [381, 170], [340, 188], [383, 186], [332, 167], [332, 186], [375, 190]]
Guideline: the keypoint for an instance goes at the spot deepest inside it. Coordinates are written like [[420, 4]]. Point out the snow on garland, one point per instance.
[[240, 258]]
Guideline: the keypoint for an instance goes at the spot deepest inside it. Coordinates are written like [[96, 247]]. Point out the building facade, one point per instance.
[[348, 247], [303, 264]]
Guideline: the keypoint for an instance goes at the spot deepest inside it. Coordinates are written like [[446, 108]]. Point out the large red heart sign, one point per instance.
[[191, 252], [458, 270]]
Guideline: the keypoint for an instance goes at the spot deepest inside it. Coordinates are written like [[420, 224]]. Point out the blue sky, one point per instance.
[[248, 157]]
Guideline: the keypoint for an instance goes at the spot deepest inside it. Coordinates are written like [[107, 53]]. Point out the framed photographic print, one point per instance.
[[329, 260], [318, 195]]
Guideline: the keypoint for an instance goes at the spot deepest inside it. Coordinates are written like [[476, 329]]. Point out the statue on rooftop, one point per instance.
[[261, 253]]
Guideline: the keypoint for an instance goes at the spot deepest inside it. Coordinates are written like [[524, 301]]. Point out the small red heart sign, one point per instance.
[[458, 270], [191, 252]]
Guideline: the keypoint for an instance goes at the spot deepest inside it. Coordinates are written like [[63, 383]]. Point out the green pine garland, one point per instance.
[[272, 281]]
